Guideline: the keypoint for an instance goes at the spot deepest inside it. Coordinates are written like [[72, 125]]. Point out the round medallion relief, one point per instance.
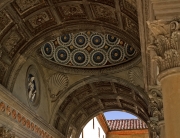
[[32, 87]]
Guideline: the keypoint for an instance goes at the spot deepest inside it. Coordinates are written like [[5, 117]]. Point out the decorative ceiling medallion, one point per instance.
[[80, 40], [130, 51], [88, 50], [62, 55], [65, 39], [80, 58], [98, 57], [48, 50], [111, 40], [116, 54], [97, 40]]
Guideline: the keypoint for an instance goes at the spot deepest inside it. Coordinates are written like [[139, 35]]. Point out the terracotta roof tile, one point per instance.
[[126, 124]]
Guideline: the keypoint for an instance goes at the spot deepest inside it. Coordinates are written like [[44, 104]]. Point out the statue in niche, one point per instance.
[[31, 88]]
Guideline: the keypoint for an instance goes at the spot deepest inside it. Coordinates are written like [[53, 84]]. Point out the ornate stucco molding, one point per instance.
[[165, 40]]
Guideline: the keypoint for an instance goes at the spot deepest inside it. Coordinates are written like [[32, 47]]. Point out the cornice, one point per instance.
[[17, 112]]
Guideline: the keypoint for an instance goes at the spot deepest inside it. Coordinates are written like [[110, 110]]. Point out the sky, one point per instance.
[[112, 115]]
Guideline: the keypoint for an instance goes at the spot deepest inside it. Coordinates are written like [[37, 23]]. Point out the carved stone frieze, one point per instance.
[[20, 119], [12, 41], [41, 21], [104, 13], [72, 12], [165, 40], [5, 20], [130, 25]]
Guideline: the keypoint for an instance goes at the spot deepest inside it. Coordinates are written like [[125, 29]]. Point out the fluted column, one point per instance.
[[165, 40]]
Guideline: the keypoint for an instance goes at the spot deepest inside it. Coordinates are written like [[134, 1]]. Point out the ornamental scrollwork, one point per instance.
[[156, 104], [154, 129], [155, 111]]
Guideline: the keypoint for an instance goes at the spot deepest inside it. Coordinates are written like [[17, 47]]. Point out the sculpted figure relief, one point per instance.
[[31, 88]]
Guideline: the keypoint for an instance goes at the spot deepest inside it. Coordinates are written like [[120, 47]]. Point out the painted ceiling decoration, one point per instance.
[[88, 50]]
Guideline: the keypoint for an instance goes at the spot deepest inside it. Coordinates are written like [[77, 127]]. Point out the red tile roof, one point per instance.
[[127, 124]]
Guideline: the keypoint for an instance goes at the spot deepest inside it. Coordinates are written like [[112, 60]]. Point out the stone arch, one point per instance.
[[94, 95]]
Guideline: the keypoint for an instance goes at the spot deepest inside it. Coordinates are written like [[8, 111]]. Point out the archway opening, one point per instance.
[[98, 95], [115, 124]]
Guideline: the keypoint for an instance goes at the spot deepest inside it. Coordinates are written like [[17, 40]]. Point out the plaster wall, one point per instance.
[[90, 132]]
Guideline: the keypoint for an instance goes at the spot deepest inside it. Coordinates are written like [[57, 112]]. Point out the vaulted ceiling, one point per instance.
[[27, 25]]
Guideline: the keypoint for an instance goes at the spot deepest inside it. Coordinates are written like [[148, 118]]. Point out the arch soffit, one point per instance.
[[114, 81]]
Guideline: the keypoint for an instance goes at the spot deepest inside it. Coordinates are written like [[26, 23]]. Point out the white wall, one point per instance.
[[90, 132]]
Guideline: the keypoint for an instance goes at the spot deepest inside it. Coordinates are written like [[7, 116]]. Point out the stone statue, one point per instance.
[[31, 88]]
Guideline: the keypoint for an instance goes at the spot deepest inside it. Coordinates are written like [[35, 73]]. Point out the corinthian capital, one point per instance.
[[165, 40]]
